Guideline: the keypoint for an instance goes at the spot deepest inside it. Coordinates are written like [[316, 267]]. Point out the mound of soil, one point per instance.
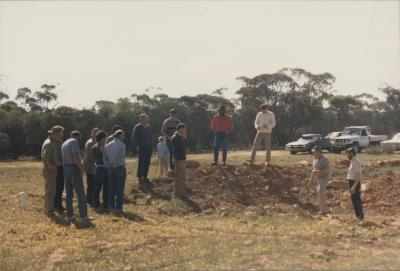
[[283, 189]]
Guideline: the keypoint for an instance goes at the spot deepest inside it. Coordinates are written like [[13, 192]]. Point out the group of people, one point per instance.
[[104, 165], [104, 161]]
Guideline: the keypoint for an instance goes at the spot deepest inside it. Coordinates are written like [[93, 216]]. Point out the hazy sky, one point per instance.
[[107, 50]]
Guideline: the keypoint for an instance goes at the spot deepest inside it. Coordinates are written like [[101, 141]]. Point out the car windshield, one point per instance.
[[352, 131], [307, 137]]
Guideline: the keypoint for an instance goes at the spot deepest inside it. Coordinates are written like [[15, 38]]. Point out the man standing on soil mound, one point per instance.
[[321, 172], [354, 180], [179, 145], [222, 125], [264, 123]]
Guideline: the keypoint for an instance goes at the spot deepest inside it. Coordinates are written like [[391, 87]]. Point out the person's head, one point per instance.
[[115, 128], [101, 137], [317, 151], [75, 134], [181, 128], [94, 132], [221, 110], [172, 113], [56, 132], [120, 134], [351, 153], [144, 118], [161, 139], [263, 108]]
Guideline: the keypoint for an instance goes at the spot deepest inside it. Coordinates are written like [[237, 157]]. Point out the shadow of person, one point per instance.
[[156, 194], [191, 204], [132, 216], [84, 224], [59, 220]]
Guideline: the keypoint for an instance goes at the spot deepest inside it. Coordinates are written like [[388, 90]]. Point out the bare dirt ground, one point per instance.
[[235, 217]]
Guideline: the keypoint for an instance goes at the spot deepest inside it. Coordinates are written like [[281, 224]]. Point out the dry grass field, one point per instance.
[[222, 238]]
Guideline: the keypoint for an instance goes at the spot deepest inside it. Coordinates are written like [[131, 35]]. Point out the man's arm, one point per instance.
[[164, 129], [134, 139], [47, 154], [257, 122], [357, 179], [213, 123], [273, 121], [231, 124]]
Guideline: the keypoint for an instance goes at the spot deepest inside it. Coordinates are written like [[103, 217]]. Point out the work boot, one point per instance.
[[215, 163], [148, 183]]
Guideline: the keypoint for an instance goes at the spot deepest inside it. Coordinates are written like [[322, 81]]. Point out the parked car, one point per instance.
[[331, 136], [306, 142], [394, 142], [357, 137]]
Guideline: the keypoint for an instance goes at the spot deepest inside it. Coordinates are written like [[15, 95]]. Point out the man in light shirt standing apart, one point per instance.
[[264, 123], [114, 160], [354, 180]]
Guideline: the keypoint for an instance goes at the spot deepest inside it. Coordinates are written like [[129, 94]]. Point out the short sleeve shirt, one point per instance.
[[355, 167], [69, 149], [320, 164], [49, 152]]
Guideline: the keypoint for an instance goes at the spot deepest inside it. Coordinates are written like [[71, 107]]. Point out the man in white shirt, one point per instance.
[[264, 123], [354, 177]]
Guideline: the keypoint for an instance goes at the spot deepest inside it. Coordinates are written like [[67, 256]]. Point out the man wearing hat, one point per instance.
[[222, 125], [321, 172], [51, 160], [354, 181], [264, 123], [168, 130], [142, 141], [89, 165]]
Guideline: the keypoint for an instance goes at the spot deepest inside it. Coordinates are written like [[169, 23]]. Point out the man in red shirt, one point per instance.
[[222, 125]]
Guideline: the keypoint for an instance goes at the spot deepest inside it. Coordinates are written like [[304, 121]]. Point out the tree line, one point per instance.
[[303, 102]]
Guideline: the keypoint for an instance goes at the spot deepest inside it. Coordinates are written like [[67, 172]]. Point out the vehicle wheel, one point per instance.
[[293, 152], [356, 148]]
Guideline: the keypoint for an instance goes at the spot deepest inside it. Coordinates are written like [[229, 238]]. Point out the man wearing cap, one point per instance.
[[115, 128], [51, 159], [222, 125], [354, 181], [114, 160], [168, 130], [142, 141], [179, 146], [320, 172], [73, 171], [264, 123], [89, 165]]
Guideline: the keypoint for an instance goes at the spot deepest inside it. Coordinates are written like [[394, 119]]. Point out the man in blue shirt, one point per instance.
[[114, 160], [73, 171]]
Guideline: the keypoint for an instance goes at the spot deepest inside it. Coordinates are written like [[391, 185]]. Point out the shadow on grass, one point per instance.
[[191, 204]]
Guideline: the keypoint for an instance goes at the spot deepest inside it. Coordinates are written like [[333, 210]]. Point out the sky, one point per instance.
[[106, 50]]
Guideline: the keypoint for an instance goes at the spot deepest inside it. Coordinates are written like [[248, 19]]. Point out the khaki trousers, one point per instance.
[[50, 183], [262, 137], [180, 173], [164, 160], [321, 190]]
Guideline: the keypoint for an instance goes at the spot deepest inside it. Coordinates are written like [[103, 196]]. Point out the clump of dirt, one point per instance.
[[383, 194]]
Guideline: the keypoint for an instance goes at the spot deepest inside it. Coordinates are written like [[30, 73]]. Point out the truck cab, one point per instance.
[[357, 137]]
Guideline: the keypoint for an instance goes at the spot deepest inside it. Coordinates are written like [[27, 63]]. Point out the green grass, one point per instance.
[[147, 239]]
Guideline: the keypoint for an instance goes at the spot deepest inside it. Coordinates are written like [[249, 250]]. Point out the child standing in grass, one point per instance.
[[163, 155]]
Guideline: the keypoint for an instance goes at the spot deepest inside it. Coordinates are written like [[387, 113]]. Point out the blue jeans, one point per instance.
[[100, 183], [220, 139], [116, 187], [74, 181]]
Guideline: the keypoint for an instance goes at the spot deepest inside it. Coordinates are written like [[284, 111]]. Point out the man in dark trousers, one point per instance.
[[168, 130], [142, 140], [179, 145], [354, 181]]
